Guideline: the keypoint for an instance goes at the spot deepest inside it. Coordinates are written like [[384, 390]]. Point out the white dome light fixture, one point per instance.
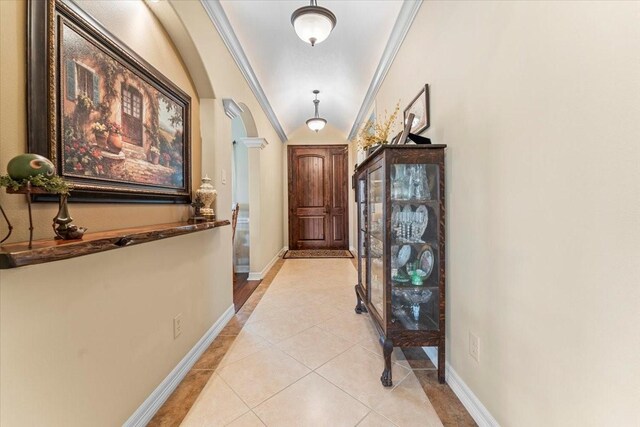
[[313, 23], [316, 123]]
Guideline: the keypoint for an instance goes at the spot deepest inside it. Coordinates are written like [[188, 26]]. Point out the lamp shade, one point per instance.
[[313, 24], [316, 123]]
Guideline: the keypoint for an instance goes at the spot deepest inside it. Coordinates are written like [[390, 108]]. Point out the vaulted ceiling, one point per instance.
[[287, 69]]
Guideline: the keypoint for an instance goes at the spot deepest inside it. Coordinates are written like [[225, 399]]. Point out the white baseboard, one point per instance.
[[260, 274], [470, 401], [156, 399]]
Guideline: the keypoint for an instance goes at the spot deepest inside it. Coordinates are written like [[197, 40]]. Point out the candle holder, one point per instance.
[[65, 230]]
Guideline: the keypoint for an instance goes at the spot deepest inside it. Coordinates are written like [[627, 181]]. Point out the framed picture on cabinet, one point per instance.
[[396, 138], [113, 125], [419, 107], [402, 138]]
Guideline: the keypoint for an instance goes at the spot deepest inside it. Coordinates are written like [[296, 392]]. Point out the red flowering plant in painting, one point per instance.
[[114, 127], [81, 157]]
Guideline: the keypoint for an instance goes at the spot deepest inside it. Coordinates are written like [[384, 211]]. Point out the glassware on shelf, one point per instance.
[[413, 297], [410, 182], [409, 225], [426, 260], [419, 187], [394, 260], [416, 275]]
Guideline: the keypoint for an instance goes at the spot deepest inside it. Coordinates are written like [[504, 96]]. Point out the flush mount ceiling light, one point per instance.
[[313, 23], [316, 123]]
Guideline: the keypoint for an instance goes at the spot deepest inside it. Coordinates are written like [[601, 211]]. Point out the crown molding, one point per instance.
[[406, 16], [231, 108], [221, 22], [254, 142]]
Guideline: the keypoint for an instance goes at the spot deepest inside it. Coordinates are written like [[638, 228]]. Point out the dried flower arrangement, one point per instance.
[[373, 133]]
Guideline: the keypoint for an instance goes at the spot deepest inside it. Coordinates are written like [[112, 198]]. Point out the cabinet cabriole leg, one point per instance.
[[387, 349], [359, 307]]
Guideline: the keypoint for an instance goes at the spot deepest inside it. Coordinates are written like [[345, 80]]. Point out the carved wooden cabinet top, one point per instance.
[[18, 254]]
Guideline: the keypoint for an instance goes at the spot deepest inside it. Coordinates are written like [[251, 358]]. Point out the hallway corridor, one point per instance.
[[298, 355]]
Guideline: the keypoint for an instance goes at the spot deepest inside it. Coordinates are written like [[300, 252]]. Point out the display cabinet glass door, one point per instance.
[[414, 261], [375, 217], [362, 231]]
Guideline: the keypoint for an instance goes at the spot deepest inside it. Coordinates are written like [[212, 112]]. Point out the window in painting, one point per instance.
[[84, 81]]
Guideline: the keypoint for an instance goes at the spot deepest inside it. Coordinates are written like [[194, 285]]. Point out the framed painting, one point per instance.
[[114, 126], [419, 106]]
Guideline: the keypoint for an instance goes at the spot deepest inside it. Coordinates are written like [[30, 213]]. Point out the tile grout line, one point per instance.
[[278, 392], [274, 345], [319, 374], [238, 396], [266, 283]]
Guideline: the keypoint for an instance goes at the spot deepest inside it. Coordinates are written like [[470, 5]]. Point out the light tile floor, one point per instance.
[[305, 358]]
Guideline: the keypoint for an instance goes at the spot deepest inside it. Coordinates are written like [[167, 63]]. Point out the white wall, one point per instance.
[[240, 163], [240, 195], [539, 103]]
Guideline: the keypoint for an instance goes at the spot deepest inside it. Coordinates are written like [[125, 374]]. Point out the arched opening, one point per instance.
[[245, 168], [247, 120]]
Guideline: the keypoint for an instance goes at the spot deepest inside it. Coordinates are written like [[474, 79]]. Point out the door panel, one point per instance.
[[311, 229], [310, 186], [318, 197]]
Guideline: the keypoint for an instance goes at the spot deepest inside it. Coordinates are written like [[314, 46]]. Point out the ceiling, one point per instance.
[[288, 69]]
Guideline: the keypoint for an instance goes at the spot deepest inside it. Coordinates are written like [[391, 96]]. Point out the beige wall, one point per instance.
[[155, 47], [85, 341], [229, 83], [327, 136], [539, 105]]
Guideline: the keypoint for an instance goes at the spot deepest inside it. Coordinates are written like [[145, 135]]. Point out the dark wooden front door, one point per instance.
[[318, 214]]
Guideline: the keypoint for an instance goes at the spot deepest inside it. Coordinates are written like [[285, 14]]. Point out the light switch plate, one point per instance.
[[474, 347], [177, 326]]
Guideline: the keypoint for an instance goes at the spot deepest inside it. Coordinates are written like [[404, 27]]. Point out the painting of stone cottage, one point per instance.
[[116, 126]]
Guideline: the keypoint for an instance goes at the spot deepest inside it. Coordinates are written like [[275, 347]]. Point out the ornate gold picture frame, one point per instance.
[[113, 125]]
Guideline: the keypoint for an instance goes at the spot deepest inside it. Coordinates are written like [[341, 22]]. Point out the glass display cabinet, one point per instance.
[[401, 248]]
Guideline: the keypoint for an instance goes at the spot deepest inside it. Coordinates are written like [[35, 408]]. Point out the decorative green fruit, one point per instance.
[[28, 165]]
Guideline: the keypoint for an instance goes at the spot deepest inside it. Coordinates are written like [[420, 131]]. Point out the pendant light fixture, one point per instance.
[[316, 123], [313, 23]]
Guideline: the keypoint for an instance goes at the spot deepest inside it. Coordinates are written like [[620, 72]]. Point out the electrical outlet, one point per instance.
[[474, 347], [223, 176], [177, 326]]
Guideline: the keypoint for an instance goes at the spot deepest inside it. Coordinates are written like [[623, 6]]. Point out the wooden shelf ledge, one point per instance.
[[19, 255]]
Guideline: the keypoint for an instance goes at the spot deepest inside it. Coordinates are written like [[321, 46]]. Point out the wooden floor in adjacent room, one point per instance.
[[242, 289]]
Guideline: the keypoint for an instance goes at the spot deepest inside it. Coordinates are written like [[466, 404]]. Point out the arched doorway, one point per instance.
[[243, 129], [240, 196]]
